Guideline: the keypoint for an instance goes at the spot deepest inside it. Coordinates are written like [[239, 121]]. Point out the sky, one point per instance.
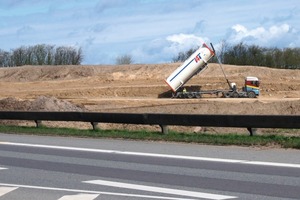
[[150, 31]]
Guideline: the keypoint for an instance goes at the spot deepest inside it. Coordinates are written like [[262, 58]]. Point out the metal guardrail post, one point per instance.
[[38, 123], [95, 125], [164, 129], [252, 131]]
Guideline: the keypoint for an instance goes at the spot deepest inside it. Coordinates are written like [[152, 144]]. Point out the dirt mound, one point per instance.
[[42, 103], [137, 71], [13, 104], [42, 73]]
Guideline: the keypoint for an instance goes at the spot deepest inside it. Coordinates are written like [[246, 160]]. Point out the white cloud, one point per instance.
[[184, 39], [240, 29], [165, 49], [277, 35], [279, 30], [183, 42]]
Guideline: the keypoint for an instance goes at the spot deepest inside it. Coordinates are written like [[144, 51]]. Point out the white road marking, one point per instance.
[[5, 190], [274, 164], [161, 190], [91, 192], [1, 168], [79, 197]]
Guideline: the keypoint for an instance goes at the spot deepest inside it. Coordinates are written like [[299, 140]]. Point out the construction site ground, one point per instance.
[[140, 88]]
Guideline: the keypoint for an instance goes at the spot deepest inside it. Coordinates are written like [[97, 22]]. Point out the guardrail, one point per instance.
[[251, 122]]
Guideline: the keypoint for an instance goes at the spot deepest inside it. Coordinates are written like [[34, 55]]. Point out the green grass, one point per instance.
[[214, 139]]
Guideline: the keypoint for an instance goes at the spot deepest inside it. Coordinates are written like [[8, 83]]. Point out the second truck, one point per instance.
[[197, 63]]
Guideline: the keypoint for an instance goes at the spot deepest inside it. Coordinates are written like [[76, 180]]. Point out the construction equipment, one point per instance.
[[197, 63]]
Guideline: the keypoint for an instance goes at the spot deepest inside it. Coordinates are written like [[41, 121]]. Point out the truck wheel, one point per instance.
[[190, 95], [198, 96], [251, 94], [179, 95], [235, 95], [226, 94]]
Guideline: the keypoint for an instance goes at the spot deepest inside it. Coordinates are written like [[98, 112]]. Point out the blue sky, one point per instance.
[[151, 31]]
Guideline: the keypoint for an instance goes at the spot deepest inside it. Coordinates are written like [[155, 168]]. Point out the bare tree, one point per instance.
[[182, 56], [223, 48], [5, 59], [19, 56], [76, 56], [50, 54], [291, 57], [67, 56], [255, 56], [40, 52], [124, 60]]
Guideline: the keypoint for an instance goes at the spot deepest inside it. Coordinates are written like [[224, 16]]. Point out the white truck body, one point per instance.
[[196, 63]]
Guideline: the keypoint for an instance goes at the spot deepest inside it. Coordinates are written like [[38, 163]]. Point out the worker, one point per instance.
[[184, 90]]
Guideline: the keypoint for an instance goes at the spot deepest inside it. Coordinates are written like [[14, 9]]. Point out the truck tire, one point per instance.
[[179, 95], [198, 96], [226, 94], [190, 95], [251, 94], [235, 95]]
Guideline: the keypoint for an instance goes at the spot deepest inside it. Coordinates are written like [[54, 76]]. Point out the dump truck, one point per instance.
[[196, 64]]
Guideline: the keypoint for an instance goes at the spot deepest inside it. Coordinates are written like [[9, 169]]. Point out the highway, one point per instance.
[[68, 168]]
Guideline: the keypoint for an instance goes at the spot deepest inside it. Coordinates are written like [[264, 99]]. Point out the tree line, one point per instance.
[[41, 54], [239, 54], [242, 54]]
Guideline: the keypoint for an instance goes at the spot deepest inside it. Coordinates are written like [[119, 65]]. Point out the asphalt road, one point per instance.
[[36, 167]]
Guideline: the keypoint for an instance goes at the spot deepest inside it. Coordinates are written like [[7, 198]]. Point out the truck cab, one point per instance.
[[252, 86]]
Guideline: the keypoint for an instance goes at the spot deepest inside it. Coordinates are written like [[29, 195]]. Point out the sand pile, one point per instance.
[[12, 104], [42, 103]]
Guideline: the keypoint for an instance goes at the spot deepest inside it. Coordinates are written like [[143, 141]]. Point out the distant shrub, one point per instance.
[[124, 60]]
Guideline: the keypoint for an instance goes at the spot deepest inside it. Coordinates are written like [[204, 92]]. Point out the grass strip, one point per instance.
[[213, 139]]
